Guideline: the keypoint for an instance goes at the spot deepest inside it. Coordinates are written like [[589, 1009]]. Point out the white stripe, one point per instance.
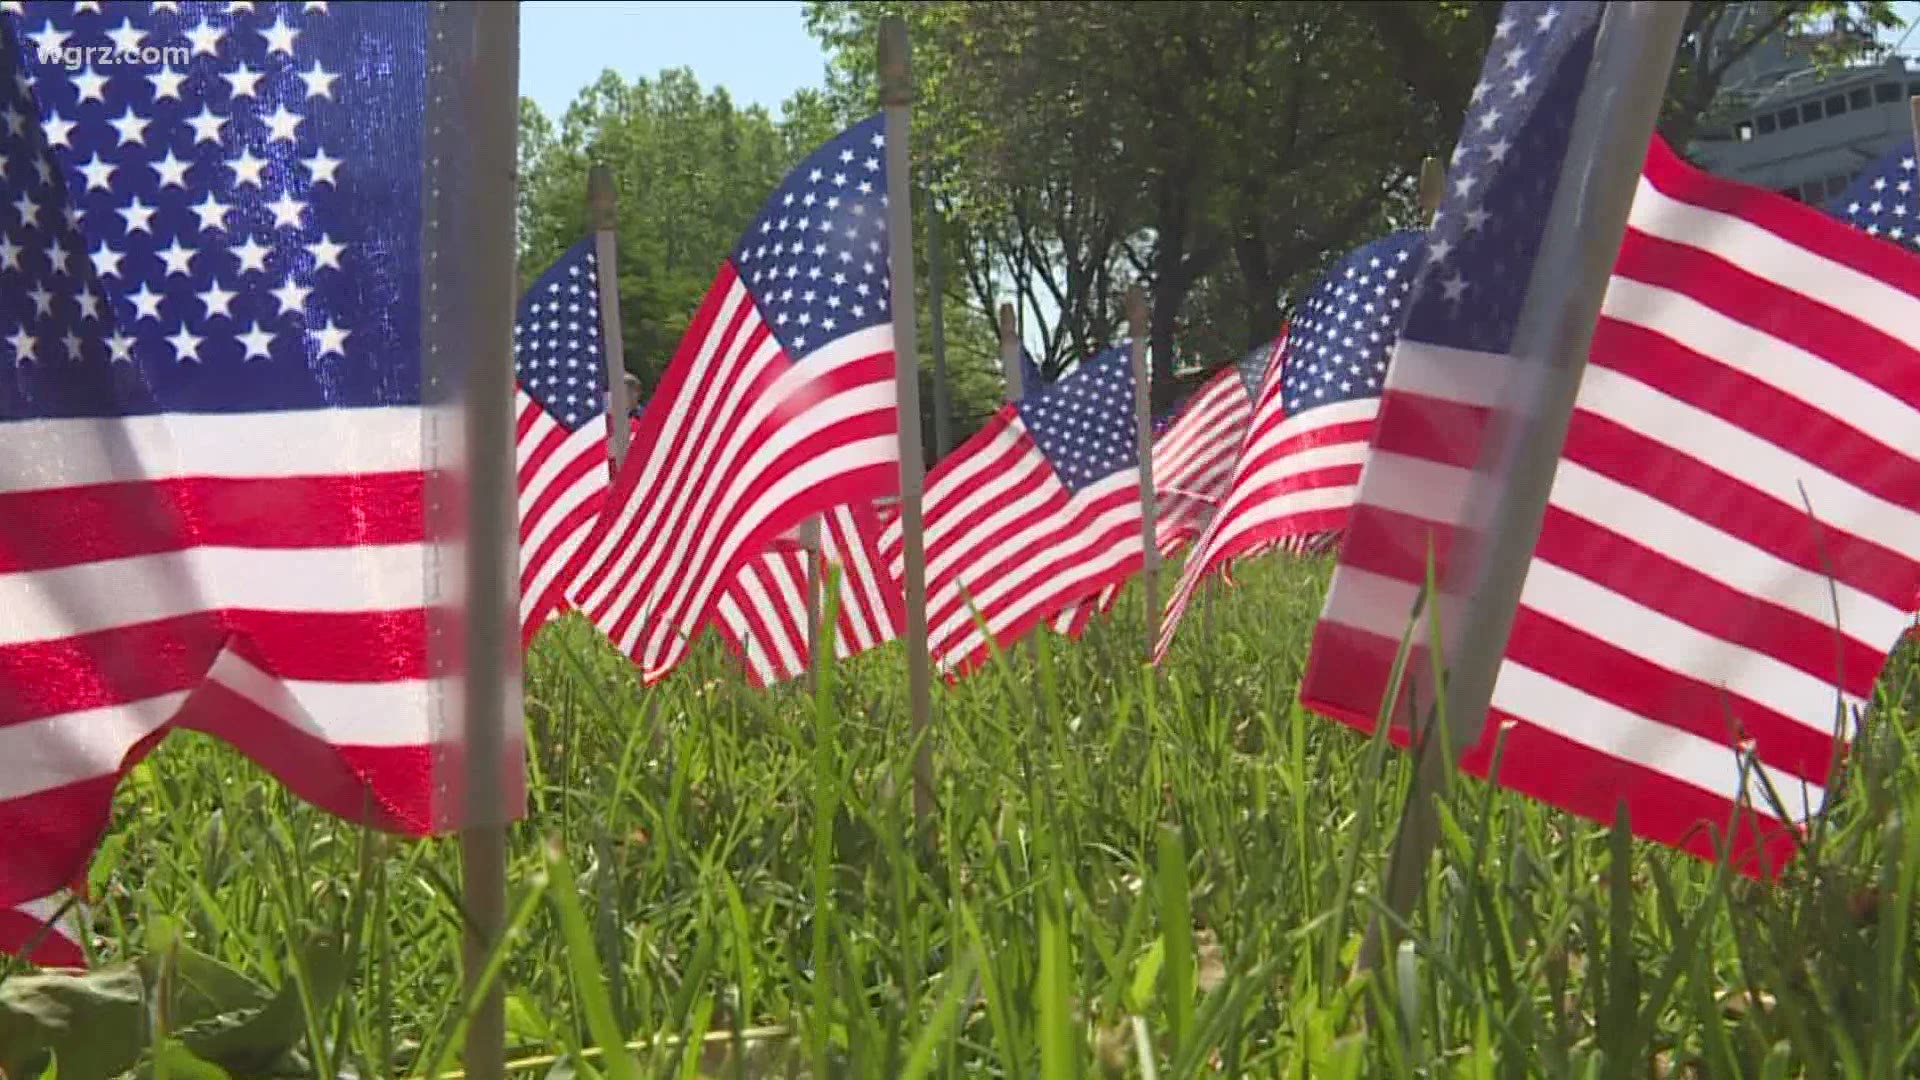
[[44, 909], [55, 751], [1754, 249], [45, 605], [389, 714], [1416, 487], [241, 446], [1762, 465], [1460, 376], [1725, 558], [1821, 386]]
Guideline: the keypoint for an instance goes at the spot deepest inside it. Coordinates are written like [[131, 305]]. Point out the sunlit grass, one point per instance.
[[1129, 874]]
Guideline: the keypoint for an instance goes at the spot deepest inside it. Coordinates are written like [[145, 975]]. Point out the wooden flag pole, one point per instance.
[[1433, 184], [937, 323], [1015, 375], [1143, 445], [491, 656], [1632, 59], [896, 97], [1913, 120], [810, 540], [600, 206]]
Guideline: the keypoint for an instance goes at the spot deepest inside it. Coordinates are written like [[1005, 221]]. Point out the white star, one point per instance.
[[42, 300], [315, 5], [186, 345], [1497, 150], [146, 303], [1437, 251], [178, 258], [1545, 21], [127, 38], [91, 84], [212, 213], [132, 128], [206, 126], [1454, 287], [98, 173], [166, 83], [1490, 120], [319, 81], [138, 215], [330, 339], [326, 252], [205, 39], [22, 343], [292, 297], [28, 210], [217, 300], [57, 257], [89, 302], [57, 130], [258, 342], [286, 210], [120, 347], [280, 36], [242, 79], [237, 6], [246, 168], [171, 170], [16, 120], [1476, 217], [71, 343], [252, 256], [106, 261], [283, 124], [49, 40]]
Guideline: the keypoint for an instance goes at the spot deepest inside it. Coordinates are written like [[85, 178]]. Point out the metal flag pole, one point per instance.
[[1143, 445], [600, 207], [1632, 58], [896, 97], [492, 110], [937, 324]]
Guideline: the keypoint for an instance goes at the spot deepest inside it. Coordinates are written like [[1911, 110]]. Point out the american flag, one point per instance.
[[762, 617], [778, 405], [1881, 201], [1193, 455], [560, 439], [32, 932], [1729, 550], [1040, 509], [1294, 482], [213, 449]]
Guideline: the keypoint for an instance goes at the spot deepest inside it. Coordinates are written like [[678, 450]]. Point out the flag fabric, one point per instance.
[[1040, 509], [1729, 551], [1881, 200], [779, 404], [213, 442], [1294, 481], [560, 435], [1193, 454], [762, 616], [40, 933]]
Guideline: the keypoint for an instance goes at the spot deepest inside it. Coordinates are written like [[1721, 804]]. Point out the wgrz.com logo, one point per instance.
[[76, 57]]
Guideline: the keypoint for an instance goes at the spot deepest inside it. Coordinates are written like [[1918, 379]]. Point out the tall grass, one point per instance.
[[1130, 874]]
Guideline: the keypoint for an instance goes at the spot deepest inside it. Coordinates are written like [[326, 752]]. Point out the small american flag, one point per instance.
[[214, 450], [762, 617], [1040, 509], [1193, 455], [778, 405], [1293, 483], [1881, 200], [560, 441], [1729, 550]]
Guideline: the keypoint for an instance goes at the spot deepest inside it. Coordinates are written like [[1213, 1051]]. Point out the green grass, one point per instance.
[[1131, 874]]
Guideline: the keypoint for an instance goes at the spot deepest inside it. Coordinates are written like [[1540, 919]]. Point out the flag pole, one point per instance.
[[1913, 120], [1143, 445], [600, 207], [896, 97], [492, 108], [1632, 59], [1433, 184], [937, 319], [810, 540], [1015, 375]]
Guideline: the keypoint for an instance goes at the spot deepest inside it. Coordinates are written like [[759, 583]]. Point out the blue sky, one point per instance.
[[758, 49]]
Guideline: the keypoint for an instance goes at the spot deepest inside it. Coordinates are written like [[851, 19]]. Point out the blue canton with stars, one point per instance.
[[1506, 165], [209, 207], [815, 260], [1880, 201], [1253, 369], [556, 341], [1084, 423], [1339, 342]]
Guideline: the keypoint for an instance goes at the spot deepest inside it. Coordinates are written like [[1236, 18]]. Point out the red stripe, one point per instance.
[[51, 528], [54, 950]]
